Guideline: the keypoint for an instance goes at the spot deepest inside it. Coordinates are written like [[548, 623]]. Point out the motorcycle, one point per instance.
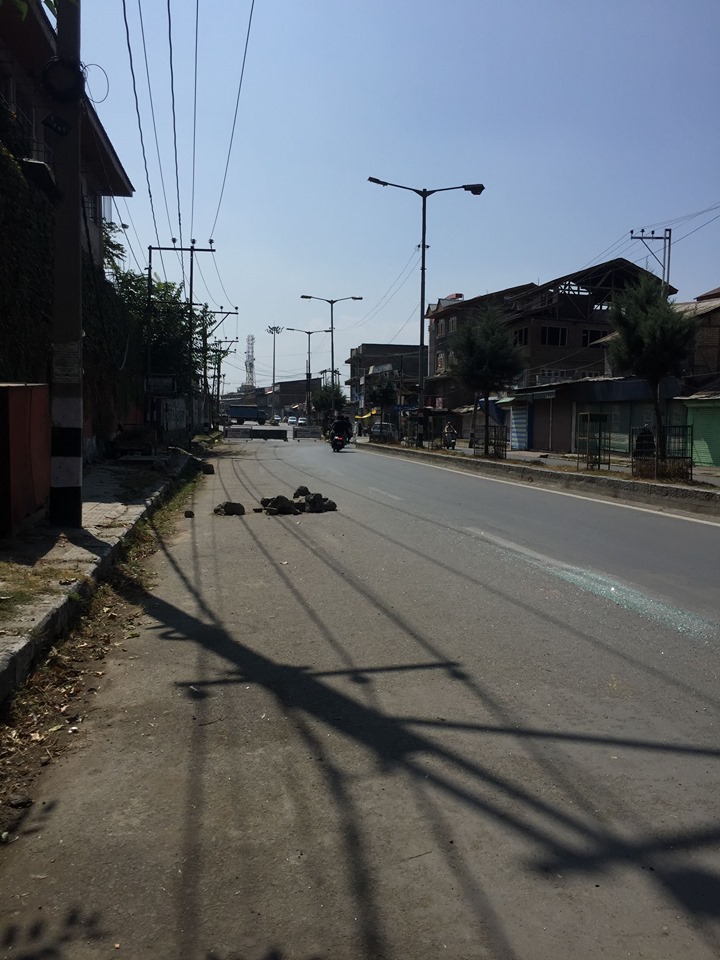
[[337, 442]]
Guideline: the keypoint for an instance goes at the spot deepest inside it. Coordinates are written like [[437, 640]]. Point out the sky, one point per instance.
[[584, 121]]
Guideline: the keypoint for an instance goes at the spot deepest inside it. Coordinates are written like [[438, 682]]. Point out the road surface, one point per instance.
[[458, 717]]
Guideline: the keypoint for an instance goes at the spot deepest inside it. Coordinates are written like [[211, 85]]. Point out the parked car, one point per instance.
[[292, 421], [302, 421], [277, 419], [384, 432]]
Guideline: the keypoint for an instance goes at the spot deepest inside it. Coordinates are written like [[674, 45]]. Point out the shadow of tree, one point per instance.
[[46, 940]]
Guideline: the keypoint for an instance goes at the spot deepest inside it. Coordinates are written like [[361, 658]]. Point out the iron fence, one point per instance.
[[663, 456], [497, 442]]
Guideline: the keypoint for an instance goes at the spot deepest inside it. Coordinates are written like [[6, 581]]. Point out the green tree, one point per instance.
[[653, 340], [484, 358], [381, 394], [326, 400]]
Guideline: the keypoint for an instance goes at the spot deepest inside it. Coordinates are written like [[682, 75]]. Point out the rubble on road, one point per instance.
[[302, 502]]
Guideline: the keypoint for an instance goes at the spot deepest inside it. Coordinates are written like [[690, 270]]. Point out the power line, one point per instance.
[[152, 115], [387, 296], [175, 146], [413, 314], [685, 235], [237, 104], [222, 285], [192, 195], [139, 122], [207, 288]]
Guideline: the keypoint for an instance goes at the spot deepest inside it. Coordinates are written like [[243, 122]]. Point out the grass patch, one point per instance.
[[20, 584]]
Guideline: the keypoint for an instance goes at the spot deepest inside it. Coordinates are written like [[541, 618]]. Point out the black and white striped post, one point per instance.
[[63, 77]]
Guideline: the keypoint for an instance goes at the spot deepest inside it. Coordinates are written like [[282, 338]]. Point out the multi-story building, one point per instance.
[[395, 361], [557, 325], [27, 45]]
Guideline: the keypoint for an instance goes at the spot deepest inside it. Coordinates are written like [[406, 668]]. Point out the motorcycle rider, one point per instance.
[[339, 427]]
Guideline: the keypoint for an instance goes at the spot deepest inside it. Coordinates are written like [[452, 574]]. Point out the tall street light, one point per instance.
[[274, 331], [475, 189], [308, 334], [305, 296]]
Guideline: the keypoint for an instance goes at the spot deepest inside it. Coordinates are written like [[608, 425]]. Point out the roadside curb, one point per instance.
[[50, 615], [672, 496]]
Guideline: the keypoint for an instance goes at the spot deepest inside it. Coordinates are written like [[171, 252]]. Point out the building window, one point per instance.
[[441, 327], [553, 336], [439, 362], [452, 324], [590, 336], [520, 337]]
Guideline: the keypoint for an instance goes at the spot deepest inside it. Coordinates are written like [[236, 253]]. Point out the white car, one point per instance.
[[302, 421], [292, 421]]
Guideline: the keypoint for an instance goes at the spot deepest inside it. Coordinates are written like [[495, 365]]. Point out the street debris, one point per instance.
[[302, 502], [189, 514], [229, 509]]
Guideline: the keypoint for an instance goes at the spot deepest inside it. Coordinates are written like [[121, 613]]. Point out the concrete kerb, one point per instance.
[[21, 647], [672, 496]]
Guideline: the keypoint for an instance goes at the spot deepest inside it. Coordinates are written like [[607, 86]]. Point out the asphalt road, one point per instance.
[[458, 717]]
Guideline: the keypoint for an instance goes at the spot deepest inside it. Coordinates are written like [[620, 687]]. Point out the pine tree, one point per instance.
[[653, 340], [485, 359]]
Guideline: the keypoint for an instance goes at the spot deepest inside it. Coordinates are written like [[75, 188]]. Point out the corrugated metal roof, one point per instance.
[[698, 309]]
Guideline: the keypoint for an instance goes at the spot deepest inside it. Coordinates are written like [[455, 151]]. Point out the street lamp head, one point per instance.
[[381, 183], [305, 296], [356, 298], [474, 188]]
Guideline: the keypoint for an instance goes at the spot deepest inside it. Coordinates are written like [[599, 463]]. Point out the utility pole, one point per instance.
[[666, 242], [274, 331], [208, 331], [192, 250], [65, 82], [220, 354]]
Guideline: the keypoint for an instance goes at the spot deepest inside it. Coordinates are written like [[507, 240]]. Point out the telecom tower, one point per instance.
[[250, 363]]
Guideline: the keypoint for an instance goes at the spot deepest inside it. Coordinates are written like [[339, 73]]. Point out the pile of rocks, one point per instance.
[[303, 501]]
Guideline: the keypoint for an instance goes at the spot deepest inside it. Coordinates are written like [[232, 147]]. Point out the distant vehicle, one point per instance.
[[302, 421], [247, 411], [292, 421], [277, 419]]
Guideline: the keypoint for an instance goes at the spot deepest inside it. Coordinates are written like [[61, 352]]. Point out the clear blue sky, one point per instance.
[[583, 120]]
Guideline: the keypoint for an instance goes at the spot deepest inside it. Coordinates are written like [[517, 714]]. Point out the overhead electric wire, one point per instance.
[[152, 116], [388, 295], [413, 314], [207, 288], [175, 145], [194, 141], [685, 235], [222, 285], [629, 240], [139, 122], [123, 227], [232, 132], [132, 224]]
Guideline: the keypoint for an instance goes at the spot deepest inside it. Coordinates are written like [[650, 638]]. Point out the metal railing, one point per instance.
[[663, 456]]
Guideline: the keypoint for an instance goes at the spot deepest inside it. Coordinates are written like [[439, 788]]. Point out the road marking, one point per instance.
[[384, 493], [605, 587], [564, 493]]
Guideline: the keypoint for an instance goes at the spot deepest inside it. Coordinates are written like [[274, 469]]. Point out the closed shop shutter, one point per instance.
[[519, 427], [706, 436]]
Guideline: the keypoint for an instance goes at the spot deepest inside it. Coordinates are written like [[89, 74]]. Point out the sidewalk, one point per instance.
[[45, 571]]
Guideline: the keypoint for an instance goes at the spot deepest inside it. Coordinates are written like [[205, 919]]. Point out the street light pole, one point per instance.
[[305, 296], [274, 331], [475, 189], [308, 333]]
